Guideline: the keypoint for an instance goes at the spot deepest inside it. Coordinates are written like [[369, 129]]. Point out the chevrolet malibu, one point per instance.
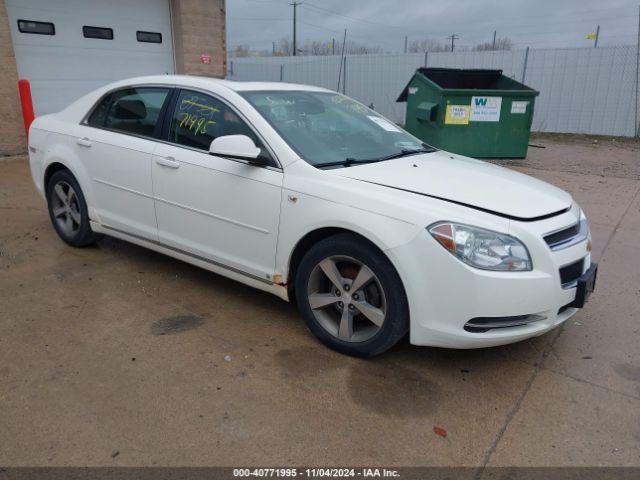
[[311, 196]]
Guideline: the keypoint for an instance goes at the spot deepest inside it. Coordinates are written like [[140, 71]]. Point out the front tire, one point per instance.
[[351, 296], [68, 210]]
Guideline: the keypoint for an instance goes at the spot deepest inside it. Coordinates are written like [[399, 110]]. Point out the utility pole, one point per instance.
[[333, 46], [273, 49], [406, 39], [453, 37], [295, 46], [493, 47], [637, 124], [595, 44]]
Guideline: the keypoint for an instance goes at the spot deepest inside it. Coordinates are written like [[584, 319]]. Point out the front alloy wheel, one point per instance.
[[346, 298], [351, 296]]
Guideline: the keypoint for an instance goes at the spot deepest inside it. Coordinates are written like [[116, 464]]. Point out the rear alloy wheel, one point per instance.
[[351, 296], [68, 210]]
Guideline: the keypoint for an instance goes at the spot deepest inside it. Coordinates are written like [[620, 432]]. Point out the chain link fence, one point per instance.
[[582, 90]]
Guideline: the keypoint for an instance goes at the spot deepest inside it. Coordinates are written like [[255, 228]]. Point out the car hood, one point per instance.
[[466, 181]]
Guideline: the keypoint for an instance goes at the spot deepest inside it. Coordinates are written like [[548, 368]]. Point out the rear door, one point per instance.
[[223, 210], [116, 144]]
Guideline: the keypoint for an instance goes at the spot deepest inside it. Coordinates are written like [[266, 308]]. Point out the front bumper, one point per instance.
[[444, 293]]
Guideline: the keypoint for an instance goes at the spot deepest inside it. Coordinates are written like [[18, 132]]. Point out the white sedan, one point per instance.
[[310, 195]]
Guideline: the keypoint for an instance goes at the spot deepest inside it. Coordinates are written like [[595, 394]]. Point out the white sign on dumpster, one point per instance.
[[485, 109], [519, 107]]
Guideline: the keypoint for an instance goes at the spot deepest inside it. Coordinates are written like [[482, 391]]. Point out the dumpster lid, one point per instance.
[[466, 79]]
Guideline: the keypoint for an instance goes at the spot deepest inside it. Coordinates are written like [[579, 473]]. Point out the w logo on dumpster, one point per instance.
[[485, 109]]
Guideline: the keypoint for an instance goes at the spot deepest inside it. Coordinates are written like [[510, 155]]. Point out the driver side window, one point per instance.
[[198, 119]]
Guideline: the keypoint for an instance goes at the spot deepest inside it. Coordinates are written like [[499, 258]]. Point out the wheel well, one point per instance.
[[51, 169], [308, 241]]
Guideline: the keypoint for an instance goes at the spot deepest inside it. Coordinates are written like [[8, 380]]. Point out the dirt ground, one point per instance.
[[117, 356]]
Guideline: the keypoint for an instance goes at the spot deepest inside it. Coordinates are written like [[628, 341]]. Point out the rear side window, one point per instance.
[[38, 28], [102, 33], [133, 110], [99, 114]]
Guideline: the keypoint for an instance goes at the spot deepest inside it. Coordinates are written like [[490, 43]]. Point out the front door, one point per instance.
[[220, 209]]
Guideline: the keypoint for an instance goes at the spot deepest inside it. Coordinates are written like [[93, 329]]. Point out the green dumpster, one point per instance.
[[478, 113]]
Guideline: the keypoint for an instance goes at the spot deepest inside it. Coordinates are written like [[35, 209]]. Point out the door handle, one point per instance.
[[168, 162], [84, 142]]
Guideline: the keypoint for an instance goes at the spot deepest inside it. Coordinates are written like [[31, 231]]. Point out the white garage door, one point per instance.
[[67, 48]]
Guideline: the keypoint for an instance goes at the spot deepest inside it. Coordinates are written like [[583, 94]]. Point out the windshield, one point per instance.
[[328, 129]]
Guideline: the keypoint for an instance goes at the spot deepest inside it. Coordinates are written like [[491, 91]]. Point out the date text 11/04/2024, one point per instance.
[[316, 472]]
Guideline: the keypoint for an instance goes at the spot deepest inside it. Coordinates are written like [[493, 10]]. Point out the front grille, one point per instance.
[[484, 324], [562, 236], [570, 273], [568, 236]]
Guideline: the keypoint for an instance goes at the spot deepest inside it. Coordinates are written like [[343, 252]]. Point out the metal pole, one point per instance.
[[281, 72], [344, 80], [494, 40], [344, 41], [637, 124], [595, 44], [426, 56], [406, 39], [333, 46], [295, 7], [524, 67]]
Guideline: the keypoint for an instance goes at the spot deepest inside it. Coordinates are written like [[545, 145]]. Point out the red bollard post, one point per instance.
[[27, 104]]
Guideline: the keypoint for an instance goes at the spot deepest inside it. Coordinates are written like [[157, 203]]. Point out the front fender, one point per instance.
[[303, 214]]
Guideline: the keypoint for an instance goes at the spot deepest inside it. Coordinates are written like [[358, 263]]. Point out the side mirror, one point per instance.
[[235, 146]]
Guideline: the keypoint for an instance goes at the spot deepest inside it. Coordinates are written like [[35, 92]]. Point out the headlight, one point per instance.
[[482, 248]]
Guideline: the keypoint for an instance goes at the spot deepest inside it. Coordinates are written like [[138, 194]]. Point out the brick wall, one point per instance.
[[12, 139], [199, 28]]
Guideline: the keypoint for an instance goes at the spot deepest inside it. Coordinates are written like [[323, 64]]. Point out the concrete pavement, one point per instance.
[[117, 356]]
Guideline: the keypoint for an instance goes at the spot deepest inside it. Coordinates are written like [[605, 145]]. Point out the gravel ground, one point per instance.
[[117, 356]]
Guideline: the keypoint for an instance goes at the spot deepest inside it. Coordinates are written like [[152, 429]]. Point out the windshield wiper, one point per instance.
[[347, 162]]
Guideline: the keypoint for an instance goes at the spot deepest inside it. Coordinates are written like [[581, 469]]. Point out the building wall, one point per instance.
[[199, 28], [12, 140]]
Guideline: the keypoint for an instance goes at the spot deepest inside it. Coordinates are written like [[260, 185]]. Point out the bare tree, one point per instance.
[[284, 48], [426, 45], [318, 47], [240, 51], [502, 43]]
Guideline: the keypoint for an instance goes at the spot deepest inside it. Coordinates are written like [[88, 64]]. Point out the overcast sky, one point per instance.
[[534, 23]]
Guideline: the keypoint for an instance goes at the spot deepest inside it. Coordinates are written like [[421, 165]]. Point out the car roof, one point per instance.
[[204, 82]]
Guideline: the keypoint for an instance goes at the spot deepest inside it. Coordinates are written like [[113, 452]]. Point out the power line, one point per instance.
[[354, 19], [524, 23]]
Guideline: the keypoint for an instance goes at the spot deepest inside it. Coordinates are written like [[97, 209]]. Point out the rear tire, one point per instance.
[[351, 296], [68, 210]]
